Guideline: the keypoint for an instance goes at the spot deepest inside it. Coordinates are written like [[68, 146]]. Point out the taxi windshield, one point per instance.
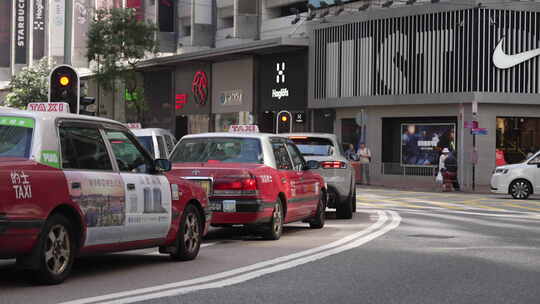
[[15, 137], [219, 149], [312, 146], [147, 143]]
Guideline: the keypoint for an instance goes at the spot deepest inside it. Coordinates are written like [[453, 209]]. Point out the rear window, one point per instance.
[[147, 143], [15, 136], [220, 149], [313, 146]]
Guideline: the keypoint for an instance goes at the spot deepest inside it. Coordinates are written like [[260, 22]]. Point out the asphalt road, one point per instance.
[[401, 247]]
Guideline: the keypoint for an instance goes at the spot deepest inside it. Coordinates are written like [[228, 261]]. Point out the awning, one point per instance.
[[260, 47]]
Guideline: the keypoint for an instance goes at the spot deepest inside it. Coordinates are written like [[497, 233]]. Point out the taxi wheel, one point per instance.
[[520, 189], [344, 210], [318, 221], [189, 235], [353, 199], [275, 227], [56, 251]]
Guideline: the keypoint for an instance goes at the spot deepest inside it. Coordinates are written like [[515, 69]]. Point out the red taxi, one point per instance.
[[74, 185], [253, 179]]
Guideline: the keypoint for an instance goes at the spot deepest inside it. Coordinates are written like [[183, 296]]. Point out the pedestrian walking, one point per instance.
[[364, 156], [451, 170], [350, 154], [442, 167]]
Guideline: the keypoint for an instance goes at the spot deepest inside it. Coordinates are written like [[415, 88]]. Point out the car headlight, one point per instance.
[[501, 171]]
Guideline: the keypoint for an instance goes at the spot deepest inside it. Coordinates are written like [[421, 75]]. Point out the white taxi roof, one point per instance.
[[232, 134], [53, 115], [151, 131]]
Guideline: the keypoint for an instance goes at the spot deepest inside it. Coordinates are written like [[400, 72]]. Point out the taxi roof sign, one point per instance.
[[61, 107], [244, 129], [134, 125]]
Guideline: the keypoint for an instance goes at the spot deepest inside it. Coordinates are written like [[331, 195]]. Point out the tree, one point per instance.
[[117, 42], [31, 84]]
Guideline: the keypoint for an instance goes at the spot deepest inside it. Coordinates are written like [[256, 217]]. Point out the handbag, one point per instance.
[[439, 178]]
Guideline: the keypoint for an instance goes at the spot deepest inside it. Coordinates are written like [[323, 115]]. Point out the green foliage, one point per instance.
[[117, 42], [31, 84]]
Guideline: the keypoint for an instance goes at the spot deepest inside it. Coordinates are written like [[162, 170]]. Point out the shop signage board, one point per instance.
[[479, 131], [38, 27], [21, 31], [421, 143], [232, 98], [299, 117], [180, 100]]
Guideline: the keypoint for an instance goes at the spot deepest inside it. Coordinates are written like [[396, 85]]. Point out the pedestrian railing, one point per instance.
[[398, 169]]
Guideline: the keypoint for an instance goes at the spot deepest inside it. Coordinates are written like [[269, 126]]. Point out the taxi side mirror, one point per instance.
[[312, 165], [162, 165]]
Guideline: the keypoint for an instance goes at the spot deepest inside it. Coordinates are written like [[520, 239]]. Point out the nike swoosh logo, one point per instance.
[[504, 61]]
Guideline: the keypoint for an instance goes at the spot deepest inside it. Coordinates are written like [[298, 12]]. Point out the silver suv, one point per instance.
[[335, 169]]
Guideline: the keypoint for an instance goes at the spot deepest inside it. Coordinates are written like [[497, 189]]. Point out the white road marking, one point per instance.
[[255, 270]]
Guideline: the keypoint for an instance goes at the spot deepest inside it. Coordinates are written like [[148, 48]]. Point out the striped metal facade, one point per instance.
[[443, 52]]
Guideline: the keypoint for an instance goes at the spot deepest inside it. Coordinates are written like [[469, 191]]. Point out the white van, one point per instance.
[[519, 180], [159, 142]]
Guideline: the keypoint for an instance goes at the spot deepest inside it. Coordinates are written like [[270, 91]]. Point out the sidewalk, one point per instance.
[[420, 187]]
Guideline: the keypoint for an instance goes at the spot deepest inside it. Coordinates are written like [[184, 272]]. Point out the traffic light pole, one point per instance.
[[68, 31]]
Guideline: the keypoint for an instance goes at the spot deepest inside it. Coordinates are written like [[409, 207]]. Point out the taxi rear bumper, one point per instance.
[[18, 236], [246, 211]]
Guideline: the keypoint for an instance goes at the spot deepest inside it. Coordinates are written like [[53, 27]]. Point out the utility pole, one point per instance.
[[68, 31]]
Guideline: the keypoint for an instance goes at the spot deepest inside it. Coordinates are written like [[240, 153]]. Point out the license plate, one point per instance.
[[229, 206]]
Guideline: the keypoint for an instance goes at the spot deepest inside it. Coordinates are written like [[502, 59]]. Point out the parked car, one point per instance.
[[519, 180], [258, 180], [336, 170], [74, 185], [159, 142]]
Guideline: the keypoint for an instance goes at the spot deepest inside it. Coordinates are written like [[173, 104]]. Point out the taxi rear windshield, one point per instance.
[[15, 136], [227, 150], [313, 146]]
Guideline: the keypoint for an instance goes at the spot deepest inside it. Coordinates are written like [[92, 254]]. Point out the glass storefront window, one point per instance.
[[517, 138], [224, 121], [198, 124]]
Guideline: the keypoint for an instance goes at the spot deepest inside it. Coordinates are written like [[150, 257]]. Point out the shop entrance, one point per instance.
[[517, 138], [181, 126]]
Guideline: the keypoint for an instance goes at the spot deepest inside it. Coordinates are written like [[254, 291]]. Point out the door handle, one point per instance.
[[131, 186], [76, 185]]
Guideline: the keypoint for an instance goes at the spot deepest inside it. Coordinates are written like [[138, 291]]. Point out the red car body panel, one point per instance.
[[24, 211]]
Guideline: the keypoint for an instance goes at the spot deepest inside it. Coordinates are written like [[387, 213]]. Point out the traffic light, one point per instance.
[[64, 87], [284, 122]]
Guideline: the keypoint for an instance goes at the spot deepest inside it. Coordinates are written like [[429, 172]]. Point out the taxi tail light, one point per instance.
[[333, 165], [237, 187]]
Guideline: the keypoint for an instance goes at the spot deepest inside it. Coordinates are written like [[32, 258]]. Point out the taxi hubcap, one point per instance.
[[57, 249], [191, 234], [277, 218]]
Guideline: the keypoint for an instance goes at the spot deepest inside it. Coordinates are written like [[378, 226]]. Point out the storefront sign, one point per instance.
[[421, 143], [231, 98], [39, 29], [180, 100], [21, 31], [199, 87], [300, 117], [5, 34], [280, 92]]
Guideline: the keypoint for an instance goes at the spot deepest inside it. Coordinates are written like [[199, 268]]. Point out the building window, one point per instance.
[[517, 138], [166, 15]]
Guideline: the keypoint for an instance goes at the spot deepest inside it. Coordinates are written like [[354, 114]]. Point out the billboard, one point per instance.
[[39, 25], [21, 31], [421, 144]]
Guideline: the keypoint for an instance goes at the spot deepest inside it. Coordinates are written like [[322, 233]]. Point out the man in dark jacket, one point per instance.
[[450, 163]]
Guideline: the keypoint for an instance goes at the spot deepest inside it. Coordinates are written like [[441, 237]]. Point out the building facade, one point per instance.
[[413, 80]]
